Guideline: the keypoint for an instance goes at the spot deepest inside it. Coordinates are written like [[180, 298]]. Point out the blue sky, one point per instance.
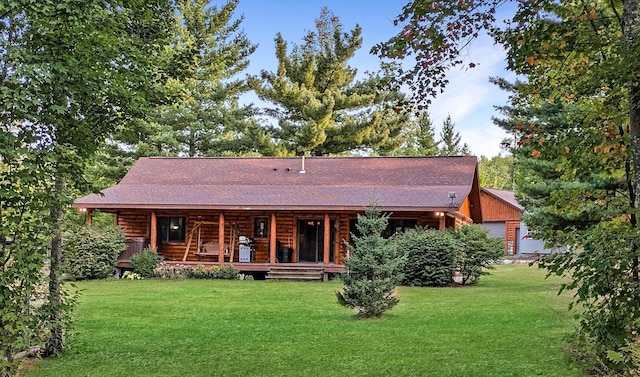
[[469, 98]]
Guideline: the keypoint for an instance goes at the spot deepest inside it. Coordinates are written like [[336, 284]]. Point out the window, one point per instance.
[[394, 226], [399, 225], [260, 228], [172, 229]]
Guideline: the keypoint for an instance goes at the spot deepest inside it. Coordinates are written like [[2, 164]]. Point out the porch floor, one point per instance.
[[253, 267]]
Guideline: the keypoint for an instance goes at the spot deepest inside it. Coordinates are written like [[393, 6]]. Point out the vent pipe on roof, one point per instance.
[[452, 196], [302, 171]]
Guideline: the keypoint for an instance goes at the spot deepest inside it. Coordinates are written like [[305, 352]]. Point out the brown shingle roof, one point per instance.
[[398, 183], [506, 196]]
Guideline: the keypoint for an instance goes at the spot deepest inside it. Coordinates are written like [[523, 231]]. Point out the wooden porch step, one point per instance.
[[293, 273]]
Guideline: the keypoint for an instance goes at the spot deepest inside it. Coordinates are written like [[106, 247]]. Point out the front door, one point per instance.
[[311, 240]]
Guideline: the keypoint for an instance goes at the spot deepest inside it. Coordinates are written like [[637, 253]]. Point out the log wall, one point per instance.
[[136, 223]]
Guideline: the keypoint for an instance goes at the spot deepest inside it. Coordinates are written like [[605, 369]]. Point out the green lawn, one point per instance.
[[511, 324]]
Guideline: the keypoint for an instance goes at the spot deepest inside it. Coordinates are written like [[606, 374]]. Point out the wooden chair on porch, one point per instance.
[[212, 249]]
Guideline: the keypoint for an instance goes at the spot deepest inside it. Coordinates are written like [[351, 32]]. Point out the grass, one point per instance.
[[511, 324]]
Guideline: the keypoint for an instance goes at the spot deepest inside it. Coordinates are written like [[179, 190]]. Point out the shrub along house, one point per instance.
[[267, 213]]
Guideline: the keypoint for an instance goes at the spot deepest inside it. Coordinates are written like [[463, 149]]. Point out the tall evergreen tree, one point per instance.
[[450, 140], [208, 52], [418, 138], [373, 267], [568, 175], [321, 109], [575, 182], [201, 116]]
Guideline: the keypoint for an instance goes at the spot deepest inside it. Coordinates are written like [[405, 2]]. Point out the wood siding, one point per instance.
[[511, 241], [137, 223], [494, 209], [465, 208], [498, 211]]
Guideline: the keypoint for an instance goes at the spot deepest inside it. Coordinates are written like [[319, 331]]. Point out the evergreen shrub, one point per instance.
[[145, 263], [91, 252], [373, 268], [431, 256]]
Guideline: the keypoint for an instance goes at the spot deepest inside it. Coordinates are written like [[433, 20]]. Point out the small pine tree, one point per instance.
[[451, 140], [373, 267], [419, 138]]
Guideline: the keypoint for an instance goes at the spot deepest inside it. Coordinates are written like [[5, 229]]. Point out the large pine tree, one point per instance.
[[208, 52], [320, 106], [201, 115]]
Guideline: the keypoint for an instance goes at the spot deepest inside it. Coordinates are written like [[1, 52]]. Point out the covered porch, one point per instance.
[[254, 240]]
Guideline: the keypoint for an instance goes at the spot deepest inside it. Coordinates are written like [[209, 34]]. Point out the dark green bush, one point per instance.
[[478, 252], [91, 252], [145, 262], [431, 256], [226, 271]]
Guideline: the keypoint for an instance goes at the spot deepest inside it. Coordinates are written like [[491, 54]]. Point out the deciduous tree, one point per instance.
[[580, 61], [70, 73], [496, 172]]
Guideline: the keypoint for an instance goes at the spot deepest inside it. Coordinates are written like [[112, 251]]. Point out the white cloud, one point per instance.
[[470, 99], [484, 140]]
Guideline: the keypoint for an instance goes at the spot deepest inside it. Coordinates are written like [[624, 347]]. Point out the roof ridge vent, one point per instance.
[[302, 171]]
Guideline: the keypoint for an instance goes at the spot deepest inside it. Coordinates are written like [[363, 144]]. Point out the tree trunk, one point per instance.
[[630, 30], [55, 343]]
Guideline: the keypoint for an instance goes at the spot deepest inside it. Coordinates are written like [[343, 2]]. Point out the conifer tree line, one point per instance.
[[315, 102]]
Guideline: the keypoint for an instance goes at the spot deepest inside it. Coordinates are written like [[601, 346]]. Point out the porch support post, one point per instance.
[[272, 239], [153, 237], [89, 216], [327, 238], [442, 223], [221, 238]]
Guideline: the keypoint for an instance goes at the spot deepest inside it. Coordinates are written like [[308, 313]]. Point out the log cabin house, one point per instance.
[[266, 213]]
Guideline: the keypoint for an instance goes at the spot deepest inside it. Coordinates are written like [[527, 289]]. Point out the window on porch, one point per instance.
[[399, 225], [260, 228], [172, 229], [394, 226]]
